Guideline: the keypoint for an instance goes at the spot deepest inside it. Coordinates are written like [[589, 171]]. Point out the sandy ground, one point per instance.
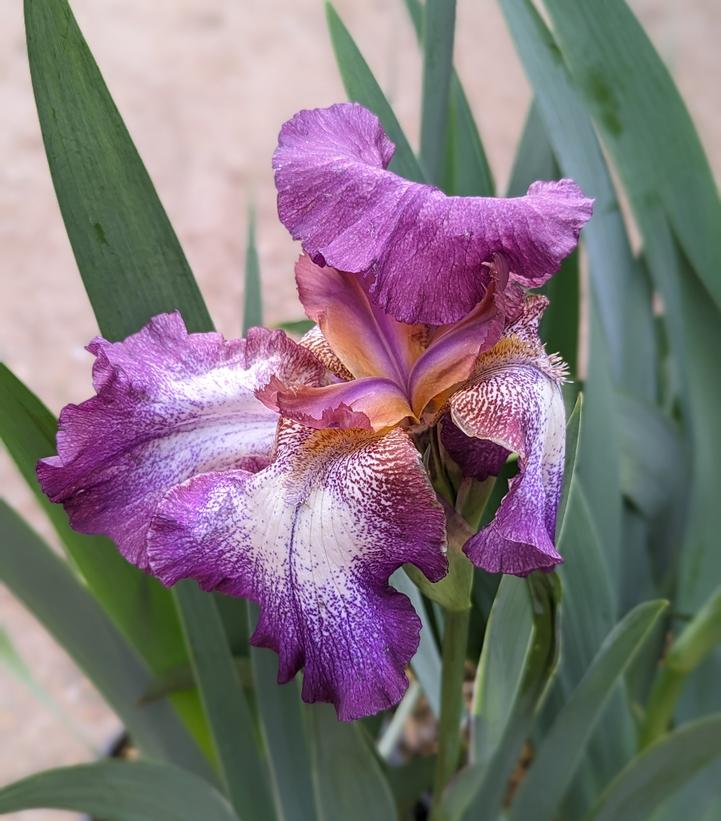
[[204, 87]]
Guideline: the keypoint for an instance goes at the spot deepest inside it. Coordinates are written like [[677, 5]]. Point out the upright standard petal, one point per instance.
[[313, 539], [424, 251], [515, 401], [368, 341], [169, 405]]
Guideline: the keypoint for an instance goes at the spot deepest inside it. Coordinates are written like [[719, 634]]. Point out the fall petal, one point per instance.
[[169, 404], [515, 402], [313, 539]]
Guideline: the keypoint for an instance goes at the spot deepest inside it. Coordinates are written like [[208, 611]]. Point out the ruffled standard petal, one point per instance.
[[515, 401], [313, 539], [169, 405], [424, 251]]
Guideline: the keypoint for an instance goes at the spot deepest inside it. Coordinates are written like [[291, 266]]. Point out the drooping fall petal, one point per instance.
[[515, 401], [423, 252], [313, 538], [169, 404]]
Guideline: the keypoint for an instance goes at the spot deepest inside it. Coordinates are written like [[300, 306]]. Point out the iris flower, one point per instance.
[[290, 473]]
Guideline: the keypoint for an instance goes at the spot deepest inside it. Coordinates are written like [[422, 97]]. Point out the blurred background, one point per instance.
[[203, 88]]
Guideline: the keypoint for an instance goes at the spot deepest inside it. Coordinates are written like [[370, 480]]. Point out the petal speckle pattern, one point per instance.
[[314, 538]]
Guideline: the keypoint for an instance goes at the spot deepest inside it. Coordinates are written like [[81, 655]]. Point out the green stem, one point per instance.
[[455, 637], [661, 704]]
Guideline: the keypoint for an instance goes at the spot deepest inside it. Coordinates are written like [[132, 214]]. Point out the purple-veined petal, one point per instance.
[[313, 539], [169, 405], [368, 341], [514, 400], [423, 251]]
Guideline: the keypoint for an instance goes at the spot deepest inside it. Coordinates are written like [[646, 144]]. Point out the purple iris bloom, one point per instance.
[[288, 473]]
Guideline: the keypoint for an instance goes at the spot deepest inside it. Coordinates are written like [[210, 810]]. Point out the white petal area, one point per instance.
[[314, 538], [169, 405]]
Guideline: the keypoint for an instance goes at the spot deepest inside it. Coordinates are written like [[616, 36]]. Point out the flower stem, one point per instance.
[[455, 637]]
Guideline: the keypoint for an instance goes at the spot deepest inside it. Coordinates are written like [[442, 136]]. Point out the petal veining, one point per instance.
[[169, 405], [313, 539], [514, 400], [424, 252], [368, 341]]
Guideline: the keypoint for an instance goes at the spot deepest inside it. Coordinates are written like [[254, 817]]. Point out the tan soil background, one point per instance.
[[203, 87]]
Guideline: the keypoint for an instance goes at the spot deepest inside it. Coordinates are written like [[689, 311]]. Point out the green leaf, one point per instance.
[[519, 657], [599, 459], [469, 174], [132, 267], [534, 158], [253, 302], [438, 30], [700, 636], [426, 663], [11, 659], [226, 707], [47, 587], [658, 772], [362, 87], [589, 614], [560, 323], [409, 781], [120, 791], [349, 782], [562, 746], [654, 465], [645, 125], [297, 327], [624, 83], [620, 289], [112, 214], [140, 606], [280, 711]]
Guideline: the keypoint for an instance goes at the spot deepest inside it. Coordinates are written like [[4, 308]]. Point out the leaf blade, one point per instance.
[[112, 213], [438, 30], [226, 708], [562, 745], [139, 791], [362, 87], [68, 612]]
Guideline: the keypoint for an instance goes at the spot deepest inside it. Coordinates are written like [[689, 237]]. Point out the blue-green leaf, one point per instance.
[[519, 658], [140, 607], [438, 30], [362, 87], [349, 782], [47, 587], [280, 712], [253, 299], [121, 791], [114, 219], [230, 720], [561, 748], [660, 771], [467, 173]]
